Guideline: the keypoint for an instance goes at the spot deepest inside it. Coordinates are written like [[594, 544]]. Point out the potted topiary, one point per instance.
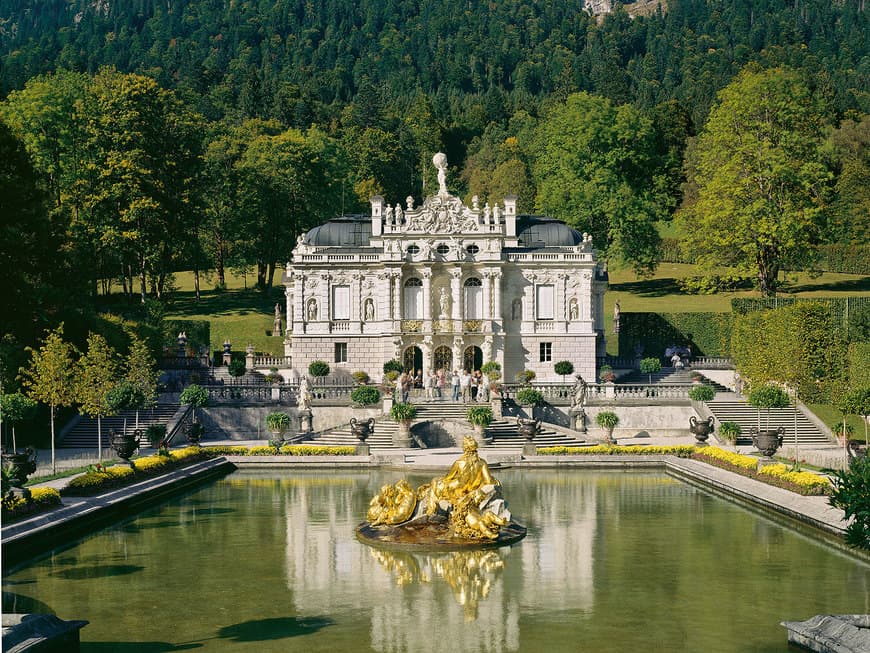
[[529, 397], [277, 424], [196, 397], [563, 369], [525, 376], [403, 414], [479, 417], [702, 392], [607, 420], [360, 377], [650, 366], [236, 368], [318, 368], [767, 397], [730, 431], [606, 375], [155, 433], [493, 370]]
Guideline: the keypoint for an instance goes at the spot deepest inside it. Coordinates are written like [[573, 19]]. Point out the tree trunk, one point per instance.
[[143, 282], [222, 279], [261, 274], [270, 275], [196, 281], [99, 439], [53, 460]]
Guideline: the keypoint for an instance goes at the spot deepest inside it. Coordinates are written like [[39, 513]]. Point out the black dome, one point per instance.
[[346, 231], [535, 231]]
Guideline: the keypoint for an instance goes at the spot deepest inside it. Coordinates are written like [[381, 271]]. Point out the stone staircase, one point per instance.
[[382, 438], [667, 375], [505, 435], [729, 408], [84, 434]]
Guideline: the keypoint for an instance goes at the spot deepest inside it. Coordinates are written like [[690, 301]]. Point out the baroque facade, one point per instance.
[[445, 285]]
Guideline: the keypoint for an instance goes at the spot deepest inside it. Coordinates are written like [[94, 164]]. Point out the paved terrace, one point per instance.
[[80, 515]]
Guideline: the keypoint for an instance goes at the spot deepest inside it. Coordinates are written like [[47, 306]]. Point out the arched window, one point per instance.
[[473, 299], [413, 305]]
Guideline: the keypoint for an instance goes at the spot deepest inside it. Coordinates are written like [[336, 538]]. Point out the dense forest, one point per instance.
[[141, 137]]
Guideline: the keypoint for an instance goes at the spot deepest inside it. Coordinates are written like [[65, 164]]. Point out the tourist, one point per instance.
[[483, 389], [455, 381], [439, 384], [405, 386], [465, 386], [429, 385], [475, 381]]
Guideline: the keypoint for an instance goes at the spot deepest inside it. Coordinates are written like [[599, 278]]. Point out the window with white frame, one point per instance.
[[545, 302], [473, 299], [413, 306], [341, 302], [341, 352], [546, 352]]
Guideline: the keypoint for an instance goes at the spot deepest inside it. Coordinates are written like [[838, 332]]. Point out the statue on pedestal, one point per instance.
[[276, 327]]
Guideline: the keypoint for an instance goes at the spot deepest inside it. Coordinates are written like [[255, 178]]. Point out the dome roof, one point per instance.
[[535, 231], [346, 231]]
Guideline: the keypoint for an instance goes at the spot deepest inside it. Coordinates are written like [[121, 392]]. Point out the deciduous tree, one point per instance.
[[96, 375]]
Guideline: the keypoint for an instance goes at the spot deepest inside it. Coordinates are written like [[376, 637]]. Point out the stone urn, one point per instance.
[[125, 443], [767, 442], [362, 430], [528, 428], [194, 431], [701, 429], [18, 466]]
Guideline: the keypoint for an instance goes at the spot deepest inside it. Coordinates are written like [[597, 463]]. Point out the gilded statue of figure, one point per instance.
[[466, 475], [393, 504]]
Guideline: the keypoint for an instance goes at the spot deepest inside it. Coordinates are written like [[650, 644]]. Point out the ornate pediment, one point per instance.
[[442, 214]]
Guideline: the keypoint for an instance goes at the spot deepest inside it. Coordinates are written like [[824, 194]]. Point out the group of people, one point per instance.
[[466, 386]]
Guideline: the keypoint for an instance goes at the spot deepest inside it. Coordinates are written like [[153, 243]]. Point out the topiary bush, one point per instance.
[[529, 397], [394, 365], [365, 395], [318, 368], [479, 415], [702, 392], [730, 431], [526, 376], [492, 369], [237, 367], [360, 377], [650, 366], [563, 369], [607, 419]]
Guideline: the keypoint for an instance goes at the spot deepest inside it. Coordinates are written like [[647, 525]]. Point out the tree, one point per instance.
[[650, 366], [760, 178], [849, 215], [563, 368], [15, 408], [141, 371], [594, 165], [850, 495], [50, 379], [96, 376]]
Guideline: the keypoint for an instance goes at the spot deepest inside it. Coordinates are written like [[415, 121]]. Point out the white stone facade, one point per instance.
[[445, 285]]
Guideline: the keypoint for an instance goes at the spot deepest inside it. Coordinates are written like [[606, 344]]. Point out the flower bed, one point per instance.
[[41, 498], [99, 478], [779, 475], [681, 451], [286, 450]]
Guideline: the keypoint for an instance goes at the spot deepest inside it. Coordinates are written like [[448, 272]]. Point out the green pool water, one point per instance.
[[612, 562]]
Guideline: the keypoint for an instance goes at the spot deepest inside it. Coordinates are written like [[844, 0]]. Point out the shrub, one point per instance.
[[607, 419], [650, 366], [195, 395], [702, 392], [155, 433], [41, 498], [277, 422], [492, 369], [713, 283], [681, 451], [563, 368], [394, 365], [730, 431], [237, 367], [709, 334], [605, 374], [360, 377], [851, 496], [529, 397], [479, 415], [274, 377], [810, 484], [403, 412], [365, 395], [525, 376], [318, 368]]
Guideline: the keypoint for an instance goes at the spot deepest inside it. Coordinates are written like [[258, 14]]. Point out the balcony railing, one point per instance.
[[563, 393], [412, 326]]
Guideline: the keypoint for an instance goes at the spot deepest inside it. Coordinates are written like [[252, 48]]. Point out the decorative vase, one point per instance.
[[125, 443], [362, 430], [701, 429], [194, 432], [19, 466], [767, 442], [528, 428]]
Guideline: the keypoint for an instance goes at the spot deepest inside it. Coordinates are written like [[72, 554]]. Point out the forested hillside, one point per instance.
[[142, 137]]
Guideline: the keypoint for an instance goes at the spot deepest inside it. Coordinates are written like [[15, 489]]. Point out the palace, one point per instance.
[[444, 285]]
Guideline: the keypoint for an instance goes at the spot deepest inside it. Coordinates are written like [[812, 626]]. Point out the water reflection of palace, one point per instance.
[[412, 596]]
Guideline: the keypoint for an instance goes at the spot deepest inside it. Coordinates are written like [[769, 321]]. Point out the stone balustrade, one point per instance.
[[712, 363], [563, 393], [266, 362]]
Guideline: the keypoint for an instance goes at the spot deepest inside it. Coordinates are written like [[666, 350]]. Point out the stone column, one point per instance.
[[496, 304], [487, 298], [288, 310], [457, 352], [427, 301], [456, 297], [397, 294]]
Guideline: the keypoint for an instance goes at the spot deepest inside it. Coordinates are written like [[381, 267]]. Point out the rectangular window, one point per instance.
[[544, 302], [341, 302], [546, 350], [341, 352]]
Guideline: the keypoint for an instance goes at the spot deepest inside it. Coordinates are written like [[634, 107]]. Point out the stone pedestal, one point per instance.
[[276, 393], [497, 412], [305, 421], [363, 450], [578, 420], [402, 437], [529, 449]]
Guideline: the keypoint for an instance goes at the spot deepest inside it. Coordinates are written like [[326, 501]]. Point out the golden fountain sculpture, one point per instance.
[[462, 509]]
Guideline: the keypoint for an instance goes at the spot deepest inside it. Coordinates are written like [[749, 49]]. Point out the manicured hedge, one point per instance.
[[859, 364], [286, 450], [680, 451], [709, 334], [842, 308], [780, 475], [846, 259]]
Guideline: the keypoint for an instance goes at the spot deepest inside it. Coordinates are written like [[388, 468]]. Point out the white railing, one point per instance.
[[712, 363], [272, 361], [563, 393], [340, 327], [544, 327]]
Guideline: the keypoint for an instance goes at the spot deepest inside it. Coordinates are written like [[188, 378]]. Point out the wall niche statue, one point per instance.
[[517, 309], [311, 310], [369, 310], [573, 310]]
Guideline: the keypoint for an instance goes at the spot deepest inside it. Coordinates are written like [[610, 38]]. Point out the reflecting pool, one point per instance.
[[263, 561]]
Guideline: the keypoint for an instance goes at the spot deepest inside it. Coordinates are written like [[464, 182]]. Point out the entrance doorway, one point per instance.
[[412, 359], [443, 359], [472, 359]]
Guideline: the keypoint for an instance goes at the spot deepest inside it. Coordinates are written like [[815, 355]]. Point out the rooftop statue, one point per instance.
[[462, 509], [440, 162]]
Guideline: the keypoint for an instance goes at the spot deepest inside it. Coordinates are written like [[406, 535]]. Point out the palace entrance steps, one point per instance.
[[83, 434], [503, 432], [728, 407]]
